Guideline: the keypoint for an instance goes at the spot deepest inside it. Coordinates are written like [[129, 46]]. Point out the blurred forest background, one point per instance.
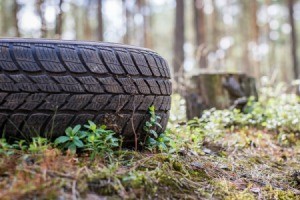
[[258, 37]]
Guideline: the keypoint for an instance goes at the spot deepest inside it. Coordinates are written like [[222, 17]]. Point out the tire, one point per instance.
[[49, 85]]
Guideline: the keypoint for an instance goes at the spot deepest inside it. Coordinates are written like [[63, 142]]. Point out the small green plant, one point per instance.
[[38, 145], [5, 147], [20, 145], [72, 140], [97, 140], [155, 140]]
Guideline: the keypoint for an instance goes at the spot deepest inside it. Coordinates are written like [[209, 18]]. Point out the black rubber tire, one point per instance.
[[49, 85]]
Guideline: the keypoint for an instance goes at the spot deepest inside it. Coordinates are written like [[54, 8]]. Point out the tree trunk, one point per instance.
[[87, 33], [59, 21], [178, 57], [40, 12], [293, 38], [126, 17], [218, 90], [100, 21], [254, 36], [15, 17], [199, 19], [147, 24]]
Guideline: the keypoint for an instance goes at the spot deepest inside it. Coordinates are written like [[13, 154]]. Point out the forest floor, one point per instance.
[[261, 170], [227, 155]]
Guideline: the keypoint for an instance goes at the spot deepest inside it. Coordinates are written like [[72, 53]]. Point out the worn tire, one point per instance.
[[49, 85]]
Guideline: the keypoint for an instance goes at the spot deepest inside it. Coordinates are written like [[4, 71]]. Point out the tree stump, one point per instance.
[[218, 90]]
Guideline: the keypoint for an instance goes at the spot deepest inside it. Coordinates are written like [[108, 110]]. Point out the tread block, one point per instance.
[[153, 65], [66, 80], [53, 102], [9, 87], [117, 102], [29, 66], [72, 88], [5, 79], [75, 67], [3, 118], [122, 120], [53, 66], [27, 87], [71, 59], [97, 88], [20, 78], [162, 86], [142, 86], [111, 121], [128, 85], [91, 84], [57, 125], [153, 86], [33, 125], [13, 101], [141, 63], [25, 58], [69, 53], [8, 66], [33, 101], [147, 102], [134, 103], [158, 102], [166, 103], [46, 53], [112, 62], [168, 87], [160, 66], [88, 80], [127, 62], [165, 67], [49, 88], [13, 125], [49, 59], [92, 60], [2, 96], [98, 102], [111, 85], [132, 125], [4, 52], [42, 79], [82, 119], [77, 102]]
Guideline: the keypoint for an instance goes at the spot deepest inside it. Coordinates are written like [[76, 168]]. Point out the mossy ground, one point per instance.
[[258, 168]]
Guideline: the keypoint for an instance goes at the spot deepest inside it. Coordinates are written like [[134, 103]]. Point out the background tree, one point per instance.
[[178, 60], [199, 18], [59, 20], [100, 21], [40, 11], [15, 17], [293, 39]]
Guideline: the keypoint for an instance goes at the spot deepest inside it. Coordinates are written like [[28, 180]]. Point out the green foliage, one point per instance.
[[38, 145], [96, 140], [99, 140], [155, 140], [72, 140], [5, 147]]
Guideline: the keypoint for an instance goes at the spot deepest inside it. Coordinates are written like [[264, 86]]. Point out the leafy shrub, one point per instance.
[[97, 140], [155, 140]]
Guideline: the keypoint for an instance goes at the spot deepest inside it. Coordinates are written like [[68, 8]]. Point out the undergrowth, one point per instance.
[[225, 154]]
